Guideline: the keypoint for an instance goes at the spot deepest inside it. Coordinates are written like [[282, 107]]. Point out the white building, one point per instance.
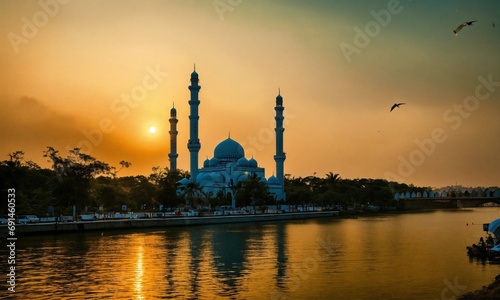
[[228, 165]]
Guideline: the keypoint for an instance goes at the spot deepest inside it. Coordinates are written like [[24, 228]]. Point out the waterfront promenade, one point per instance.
[[114, 224]]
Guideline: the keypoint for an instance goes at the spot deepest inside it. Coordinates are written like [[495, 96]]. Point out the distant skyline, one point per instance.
[[99, 74]]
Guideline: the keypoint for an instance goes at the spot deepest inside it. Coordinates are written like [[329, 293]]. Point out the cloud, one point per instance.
[[29, 125], [28, 116]]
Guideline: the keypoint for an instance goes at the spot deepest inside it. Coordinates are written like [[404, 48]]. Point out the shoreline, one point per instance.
[[490, 291], [171, 221], [130, 224]]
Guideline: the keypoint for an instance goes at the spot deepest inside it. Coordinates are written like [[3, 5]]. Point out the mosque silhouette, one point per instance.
[[228, 166]]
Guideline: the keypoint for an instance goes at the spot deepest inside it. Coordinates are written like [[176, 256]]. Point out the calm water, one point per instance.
[[408, 256]]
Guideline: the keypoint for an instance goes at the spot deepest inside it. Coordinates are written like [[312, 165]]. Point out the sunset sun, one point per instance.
[[152, 130]]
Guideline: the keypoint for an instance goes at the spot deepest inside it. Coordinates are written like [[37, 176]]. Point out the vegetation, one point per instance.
[[333, 191], [92, 186]]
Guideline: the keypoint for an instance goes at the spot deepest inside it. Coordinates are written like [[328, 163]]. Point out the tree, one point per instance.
[[74, 175], [108, 193], [166, 181], [221, 198], [192, 194], [143, 194], [124, 164], [332, 180], [298, 191], [254, 192], [32, 184]]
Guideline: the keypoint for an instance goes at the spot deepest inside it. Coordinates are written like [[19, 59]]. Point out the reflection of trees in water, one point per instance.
[[172, 247], [230, 249], [182, 244], [281, 256], [196, 251], [229, 254], [232, 246]]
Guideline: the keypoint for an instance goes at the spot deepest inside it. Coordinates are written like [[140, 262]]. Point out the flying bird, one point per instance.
[[396, 105], [462, 26]]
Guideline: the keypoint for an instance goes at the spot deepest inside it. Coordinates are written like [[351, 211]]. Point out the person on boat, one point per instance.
[[489, 241], [481, 243]]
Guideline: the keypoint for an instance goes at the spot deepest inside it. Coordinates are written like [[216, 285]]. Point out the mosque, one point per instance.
[[228, 166]]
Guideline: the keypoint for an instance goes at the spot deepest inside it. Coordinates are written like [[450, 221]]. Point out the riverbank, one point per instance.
[[104, 225], [491, 291]]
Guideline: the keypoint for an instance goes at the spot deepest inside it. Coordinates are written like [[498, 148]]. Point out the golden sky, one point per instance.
[[98, 74]]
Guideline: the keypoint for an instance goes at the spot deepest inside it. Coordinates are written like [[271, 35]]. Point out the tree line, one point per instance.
[[92, 186]]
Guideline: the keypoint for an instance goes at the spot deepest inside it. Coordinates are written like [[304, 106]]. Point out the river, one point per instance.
[[396, 256]]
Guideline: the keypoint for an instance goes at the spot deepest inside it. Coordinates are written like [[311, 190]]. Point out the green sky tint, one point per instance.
[[66, 66]]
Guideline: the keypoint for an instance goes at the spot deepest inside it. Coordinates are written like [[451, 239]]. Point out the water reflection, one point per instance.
[[280, 247], [197, 249], [171, 247], [139, 272], [398, 257], [229, 254]]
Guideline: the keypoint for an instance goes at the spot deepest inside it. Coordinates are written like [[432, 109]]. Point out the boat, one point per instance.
[[494, 255], [476, 251], [490, 248]]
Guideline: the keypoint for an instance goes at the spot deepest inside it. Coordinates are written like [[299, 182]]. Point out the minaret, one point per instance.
[[280, 156], [172, 156], [194, 142]]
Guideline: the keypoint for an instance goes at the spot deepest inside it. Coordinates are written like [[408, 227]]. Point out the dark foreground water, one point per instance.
[[407, 256]]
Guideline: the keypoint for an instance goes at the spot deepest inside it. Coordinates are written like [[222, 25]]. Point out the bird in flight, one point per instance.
[[470, 23], [396, 105]]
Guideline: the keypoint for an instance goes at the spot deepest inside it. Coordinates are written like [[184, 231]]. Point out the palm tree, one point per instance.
[[332, 179], [207, 196], [192, 193]]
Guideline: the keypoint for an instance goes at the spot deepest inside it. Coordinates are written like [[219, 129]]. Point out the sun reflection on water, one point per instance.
[[139, 273], [293, 260]]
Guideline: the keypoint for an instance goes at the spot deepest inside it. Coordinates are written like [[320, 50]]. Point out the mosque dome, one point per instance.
[[242, 178], [206, 177], [229, 150], [273, 180], [206, 163], [214, 162], [217, 177], [199, 177], [263, 179], [184, 181], [252, 163], [242, 162]]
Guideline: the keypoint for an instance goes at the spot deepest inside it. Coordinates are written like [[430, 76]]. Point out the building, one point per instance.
[[229, 165]]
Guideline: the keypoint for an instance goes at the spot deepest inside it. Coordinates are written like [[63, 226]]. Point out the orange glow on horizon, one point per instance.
[[100, 75]]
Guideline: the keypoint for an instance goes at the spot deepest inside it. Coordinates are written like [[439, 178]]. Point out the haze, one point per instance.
[[68, 66]]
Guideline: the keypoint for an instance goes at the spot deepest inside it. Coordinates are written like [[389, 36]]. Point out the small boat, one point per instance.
[[489, 249], [476, 251], [494, 255]]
